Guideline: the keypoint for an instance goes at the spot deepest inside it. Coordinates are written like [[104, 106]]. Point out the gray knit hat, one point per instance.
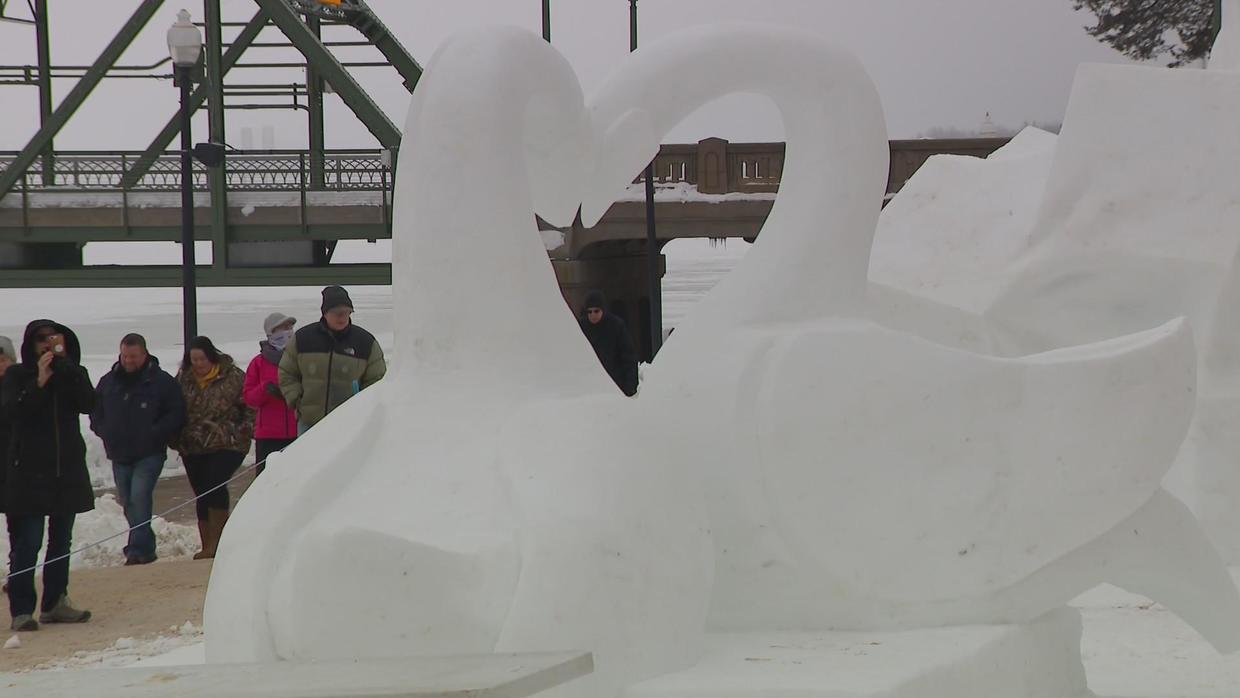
[[6, 348], [274, 320]]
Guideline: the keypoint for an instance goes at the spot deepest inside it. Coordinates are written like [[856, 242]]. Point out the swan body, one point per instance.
[[864, 477], [1225, 55]]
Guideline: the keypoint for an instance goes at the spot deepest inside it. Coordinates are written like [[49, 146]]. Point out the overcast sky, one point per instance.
[[936, 62]]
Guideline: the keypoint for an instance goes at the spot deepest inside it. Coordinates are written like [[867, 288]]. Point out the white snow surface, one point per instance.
[[179, 645]]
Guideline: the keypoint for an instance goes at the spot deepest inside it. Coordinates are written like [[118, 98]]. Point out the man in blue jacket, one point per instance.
[[138, 409]]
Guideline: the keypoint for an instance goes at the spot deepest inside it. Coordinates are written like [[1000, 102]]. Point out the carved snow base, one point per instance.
[[1041, 659]]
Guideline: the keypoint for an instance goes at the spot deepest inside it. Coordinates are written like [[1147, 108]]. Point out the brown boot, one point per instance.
[[219, 518], [204, 535], [215, 528]]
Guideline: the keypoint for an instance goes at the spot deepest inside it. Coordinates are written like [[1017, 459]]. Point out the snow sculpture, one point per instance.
[[862, 477], [791, 462], [1148, 239], [1225, 55], [495, 492]]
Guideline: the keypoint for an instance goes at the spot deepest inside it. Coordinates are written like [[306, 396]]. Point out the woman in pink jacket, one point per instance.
[[276, 425]]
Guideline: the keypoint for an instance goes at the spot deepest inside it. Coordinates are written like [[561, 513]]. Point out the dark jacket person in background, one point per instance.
[[138, 409], [46, 482], [329, 362], [610, 338]]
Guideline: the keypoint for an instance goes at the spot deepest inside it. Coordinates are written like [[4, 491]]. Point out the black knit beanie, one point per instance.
[[334, 297], [595, 299]]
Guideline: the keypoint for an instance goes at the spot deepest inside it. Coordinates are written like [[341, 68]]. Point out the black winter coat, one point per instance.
[[6, 429], [45, 472], [611, 342], [136, 416]]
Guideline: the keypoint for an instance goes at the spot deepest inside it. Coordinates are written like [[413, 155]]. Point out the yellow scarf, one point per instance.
[[209, 378]]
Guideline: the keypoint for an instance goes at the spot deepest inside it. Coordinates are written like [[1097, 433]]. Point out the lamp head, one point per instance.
[[184, 41]]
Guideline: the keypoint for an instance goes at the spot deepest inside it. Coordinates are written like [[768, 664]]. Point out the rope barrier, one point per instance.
[[71, 553]]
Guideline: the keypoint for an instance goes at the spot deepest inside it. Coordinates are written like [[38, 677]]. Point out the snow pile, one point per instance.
[[686, 193], [128, 651], [101, 468], [174, 541], [957, 227]]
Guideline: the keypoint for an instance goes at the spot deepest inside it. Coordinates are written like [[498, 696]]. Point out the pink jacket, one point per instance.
[[275, 420]]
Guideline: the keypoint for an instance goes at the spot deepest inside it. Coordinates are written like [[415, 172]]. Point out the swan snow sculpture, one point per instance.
[[861, 477], [790, 463], [494, 493], [1225, 55]]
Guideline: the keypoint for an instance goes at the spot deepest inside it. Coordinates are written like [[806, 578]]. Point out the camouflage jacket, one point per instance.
[[218, 418]]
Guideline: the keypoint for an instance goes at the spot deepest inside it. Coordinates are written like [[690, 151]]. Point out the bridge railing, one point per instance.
[[344, 170], [713, 166]]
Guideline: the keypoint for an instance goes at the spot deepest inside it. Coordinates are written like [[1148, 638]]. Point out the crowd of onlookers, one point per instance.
[[210, 412]]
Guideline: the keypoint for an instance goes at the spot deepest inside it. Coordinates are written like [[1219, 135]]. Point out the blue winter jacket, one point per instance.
[[137, 416]]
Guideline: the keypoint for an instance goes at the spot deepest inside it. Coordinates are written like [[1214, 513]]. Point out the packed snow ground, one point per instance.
[[1132, 648], [180, 645]]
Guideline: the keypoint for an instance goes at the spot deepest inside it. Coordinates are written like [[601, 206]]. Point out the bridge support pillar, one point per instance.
[[622, 280], [40, 255]]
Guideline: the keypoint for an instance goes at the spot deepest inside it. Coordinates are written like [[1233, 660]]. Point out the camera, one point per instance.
[[58, 344]]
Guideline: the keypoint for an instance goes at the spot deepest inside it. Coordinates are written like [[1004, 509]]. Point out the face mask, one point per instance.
[[279, 340]]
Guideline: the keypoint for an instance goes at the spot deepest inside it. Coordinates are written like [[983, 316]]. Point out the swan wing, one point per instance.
[[882, 453]]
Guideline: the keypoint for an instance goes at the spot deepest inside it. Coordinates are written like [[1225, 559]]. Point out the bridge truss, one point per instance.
[[302, 251]]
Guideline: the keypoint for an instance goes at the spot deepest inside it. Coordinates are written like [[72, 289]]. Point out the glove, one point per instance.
[[273, 390]]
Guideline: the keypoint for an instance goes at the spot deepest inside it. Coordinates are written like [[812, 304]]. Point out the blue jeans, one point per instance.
[[25, 539], [135, 488]]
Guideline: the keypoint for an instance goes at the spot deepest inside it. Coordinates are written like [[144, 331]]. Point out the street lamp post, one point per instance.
[[654, 290], [185, 47]]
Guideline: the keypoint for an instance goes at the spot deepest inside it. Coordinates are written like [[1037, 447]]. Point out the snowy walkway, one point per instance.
[[136, 603]]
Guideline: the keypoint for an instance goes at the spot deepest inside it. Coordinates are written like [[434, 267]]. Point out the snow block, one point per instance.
[[1040, 659]]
